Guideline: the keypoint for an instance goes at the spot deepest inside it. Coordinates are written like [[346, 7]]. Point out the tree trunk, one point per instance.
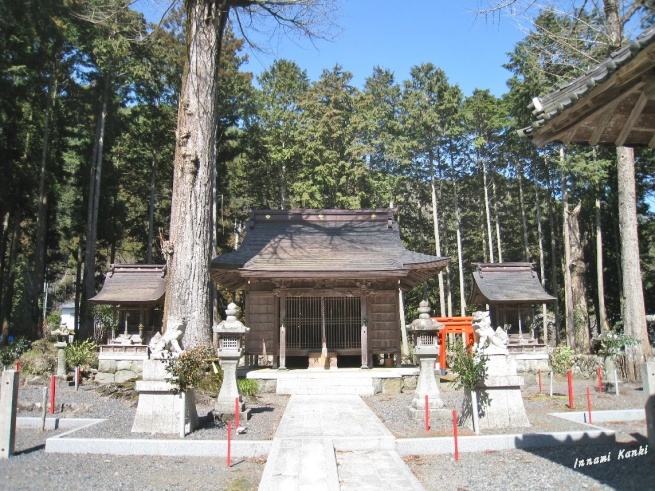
[[151, 207], [487, 211], [568, 293], [553, 258], [42, 218], [578, 270], [497, 219], [542, 263], [403, 326], [86, 326], [437, 242], [634, 314], [602, 313], [188, 296], [8, 290], [524, 221]]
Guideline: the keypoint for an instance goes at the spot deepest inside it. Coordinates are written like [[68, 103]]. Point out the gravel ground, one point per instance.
[[549, 468]]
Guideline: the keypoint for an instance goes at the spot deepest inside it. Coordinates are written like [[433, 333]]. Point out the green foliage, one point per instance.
[[614, 342], [470, 367], [82, 354], [561, 359], [11, 353], [248, 387], [41, 359], [190, 367]]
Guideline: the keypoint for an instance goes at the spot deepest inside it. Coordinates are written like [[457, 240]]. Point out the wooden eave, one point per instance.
[[507, 284], [612, 104]]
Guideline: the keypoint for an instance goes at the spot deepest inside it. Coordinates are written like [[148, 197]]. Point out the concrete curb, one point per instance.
[[603, 416], [484, 443]]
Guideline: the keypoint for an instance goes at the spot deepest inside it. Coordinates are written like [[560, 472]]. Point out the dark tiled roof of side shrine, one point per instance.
[[599, 106], [507, 283], [334, 244], [133, 284]]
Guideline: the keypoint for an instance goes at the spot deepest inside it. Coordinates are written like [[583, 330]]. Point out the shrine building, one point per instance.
[[323, 280]]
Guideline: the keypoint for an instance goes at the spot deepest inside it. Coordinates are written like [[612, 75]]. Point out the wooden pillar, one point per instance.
[[364, 331], [520, 324], [283, 334]]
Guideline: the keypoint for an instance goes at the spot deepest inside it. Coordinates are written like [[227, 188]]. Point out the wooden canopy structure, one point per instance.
[[510, 289], [613, 103], [136, 291], [323, 278]]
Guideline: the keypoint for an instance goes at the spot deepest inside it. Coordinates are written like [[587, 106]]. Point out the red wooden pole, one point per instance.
[[600, 379], [427, 414], [236, 413], [229, 444], [18, 366], [569, 377], [589, 404], [539, 375], [53, 386], [455, 435]]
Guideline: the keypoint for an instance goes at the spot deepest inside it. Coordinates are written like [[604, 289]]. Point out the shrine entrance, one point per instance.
[[310, 320]]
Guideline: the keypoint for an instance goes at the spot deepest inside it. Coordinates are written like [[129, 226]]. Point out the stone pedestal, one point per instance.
[[427, 385], [500, 403], [61, 358], [648, 381], [225, 406], [160, 409]]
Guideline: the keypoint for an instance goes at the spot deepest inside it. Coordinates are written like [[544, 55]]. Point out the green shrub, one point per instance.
[[11, 353], [82, 354], [247, 386], [561, 359], [190, 367], [41, 359], [470, 367], [614, 342]]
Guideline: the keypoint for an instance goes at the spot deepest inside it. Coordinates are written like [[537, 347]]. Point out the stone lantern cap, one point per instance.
[[231, 325], [424, 322]]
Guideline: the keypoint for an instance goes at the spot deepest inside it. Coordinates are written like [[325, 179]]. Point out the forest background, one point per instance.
[[88, 104]]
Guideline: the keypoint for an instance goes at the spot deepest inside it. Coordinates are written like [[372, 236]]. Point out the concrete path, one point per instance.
[[332, 443]]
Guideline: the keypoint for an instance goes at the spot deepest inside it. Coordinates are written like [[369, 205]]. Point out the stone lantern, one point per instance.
[[426, 349], [231, 333]]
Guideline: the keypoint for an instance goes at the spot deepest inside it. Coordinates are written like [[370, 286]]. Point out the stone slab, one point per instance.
[[8, 411]]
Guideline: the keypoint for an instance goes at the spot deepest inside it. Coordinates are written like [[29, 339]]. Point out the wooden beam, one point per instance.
[[602, 123], [635, 114]]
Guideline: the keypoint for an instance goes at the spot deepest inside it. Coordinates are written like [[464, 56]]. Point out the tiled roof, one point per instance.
[[323, 243], [507, 283], [599, 107], [133, 284]]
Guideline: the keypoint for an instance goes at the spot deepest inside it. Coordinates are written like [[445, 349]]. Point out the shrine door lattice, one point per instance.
[[308, 319]]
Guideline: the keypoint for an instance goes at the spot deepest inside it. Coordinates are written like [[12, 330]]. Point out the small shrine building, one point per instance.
[[511, 290], [136, 292], [317, 280]]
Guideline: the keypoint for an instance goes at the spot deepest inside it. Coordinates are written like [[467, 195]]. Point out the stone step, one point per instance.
[[326, 385]]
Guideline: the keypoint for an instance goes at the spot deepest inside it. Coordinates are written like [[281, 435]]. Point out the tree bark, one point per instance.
[[487, 211], [542, 263], [497, 220], [524, 221], [602, 312], [151, 207], [578, 270], [568, 293], [437, 242], [86, 326], [188, 296], [634, 314], [42, 218]]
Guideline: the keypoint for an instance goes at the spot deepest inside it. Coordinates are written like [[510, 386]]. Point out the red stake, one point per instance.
[[53, 386], [570, 380], [427, 414], [236, 413], [589, 404], [539, 375], [600, 379], [229, 443], [455, 435], [18, 366]]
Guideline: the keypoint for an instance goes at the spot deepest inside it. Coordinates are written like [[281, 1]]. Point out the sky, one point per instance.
[[398, 35]]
